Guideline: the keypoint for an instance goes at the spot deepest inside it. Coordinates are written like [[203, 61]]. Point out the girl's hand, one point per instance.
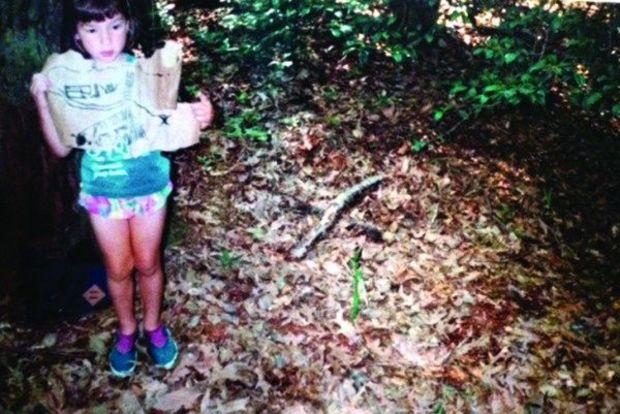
[[203, 111], [39, 87]]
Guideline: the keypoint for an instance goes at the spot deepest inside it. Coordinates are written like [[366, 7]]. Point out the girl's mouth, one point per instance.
[[107, 53]]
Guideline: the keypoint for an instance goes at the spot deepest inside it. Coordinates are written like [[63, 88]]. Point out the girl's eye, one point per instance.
[[90, 30]]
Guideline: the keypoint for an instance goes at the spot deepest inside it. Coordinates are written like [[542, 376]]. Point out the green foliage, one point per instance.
[[155, 22], [438, 408], [280, 35], [418, 145], [257, 233], [271, 45], [358, 283], [228, 260], [246, 125], [22, 53], [209, 161], [448, 394], [505, 214], [534, 54]]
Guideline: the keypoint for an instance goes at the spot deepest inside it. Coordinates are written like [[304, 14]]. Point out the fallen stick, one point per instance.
[[331, 213]]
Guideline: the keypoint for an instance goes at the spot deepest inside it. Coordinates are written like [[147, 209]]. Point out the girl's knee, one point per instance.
[[148, 269], [120, 271]]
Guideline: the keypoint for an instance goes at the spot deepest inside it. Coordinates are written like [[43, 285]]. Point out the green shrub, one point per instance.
[[285, 35], [535, 53], [271, 45]]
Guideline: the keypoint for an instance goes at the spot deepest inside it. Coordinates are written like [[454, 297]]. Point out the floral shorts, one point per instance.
[[124, 208]]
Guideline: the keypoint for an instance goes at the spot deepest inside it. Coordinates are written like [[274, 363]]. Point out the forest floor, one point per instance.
[[490, 269]]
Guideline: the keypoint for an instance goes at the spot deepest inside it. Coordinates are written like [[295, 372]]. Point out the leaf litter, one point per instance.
[[477, 297]]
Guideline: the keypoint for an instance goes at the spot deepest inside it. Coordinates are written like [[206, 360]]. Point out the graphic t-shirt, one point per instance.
[[124, 177]]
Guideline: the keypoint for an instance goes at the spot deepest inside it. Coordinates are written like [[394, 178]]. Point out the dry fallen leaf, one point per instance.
[[183, 398]]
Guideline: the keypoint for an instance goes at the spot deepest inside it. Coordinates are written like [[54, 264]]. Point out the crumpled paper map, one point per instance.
[[128, 105]]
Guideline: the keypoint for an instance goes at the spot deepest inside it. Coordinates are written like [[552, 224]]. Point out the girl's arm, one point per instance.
[[39, 87]]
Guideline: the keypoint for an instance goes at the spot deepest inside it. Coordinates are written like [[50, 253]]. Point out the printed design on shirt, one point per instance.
[[112, 137], [84, 93], [112, 88], [112, 169], [108, 111]]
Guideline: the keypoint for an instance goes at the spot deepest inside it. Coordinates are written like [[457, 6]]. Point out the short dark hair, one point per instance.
[[84, 11]]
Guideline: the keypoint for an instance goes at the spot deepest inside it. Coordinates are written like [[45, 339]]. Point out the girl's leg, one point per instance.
[[114, 241], [146, 234]]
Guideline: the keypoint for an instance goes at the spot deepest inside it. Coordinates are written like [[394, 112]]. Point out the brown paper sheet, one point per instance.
[[129, 107]]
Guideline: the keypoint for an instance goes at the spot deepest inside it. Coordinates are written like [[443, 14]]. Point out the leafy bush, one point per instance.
[[535, 53], [246, 125], [272, 43], [274, 35]]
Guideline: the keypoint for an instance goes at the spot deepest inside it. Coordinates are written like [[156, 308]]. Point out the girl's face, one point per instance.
[[104, 41]]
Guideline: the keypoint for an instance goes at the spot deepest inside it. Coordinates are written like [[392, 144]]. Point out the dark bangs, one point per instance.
[[99, 10], [84, 11]]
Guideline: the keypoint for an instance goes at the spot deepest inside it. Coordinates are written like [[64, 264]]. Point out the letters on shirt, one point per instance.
[[77, 92]]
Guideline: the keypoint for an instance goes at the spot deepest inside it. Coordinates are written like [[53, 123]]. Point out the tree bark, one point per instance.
[[37, 190], [412, 14]]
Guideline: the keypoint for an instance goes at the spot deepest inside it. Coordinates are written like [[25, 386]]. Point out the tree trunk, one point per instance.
[[415, 14], [37, 190]]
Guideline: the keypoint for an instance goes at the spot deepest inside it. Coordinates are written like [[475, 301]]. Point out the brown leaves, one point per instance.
[[418, 354], [456, 376], [182, 398], [467, 303], [214, 333]]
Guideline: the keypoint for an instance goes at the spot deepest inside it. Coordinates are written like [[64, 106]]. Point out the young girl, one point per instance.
[[124, 193]]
